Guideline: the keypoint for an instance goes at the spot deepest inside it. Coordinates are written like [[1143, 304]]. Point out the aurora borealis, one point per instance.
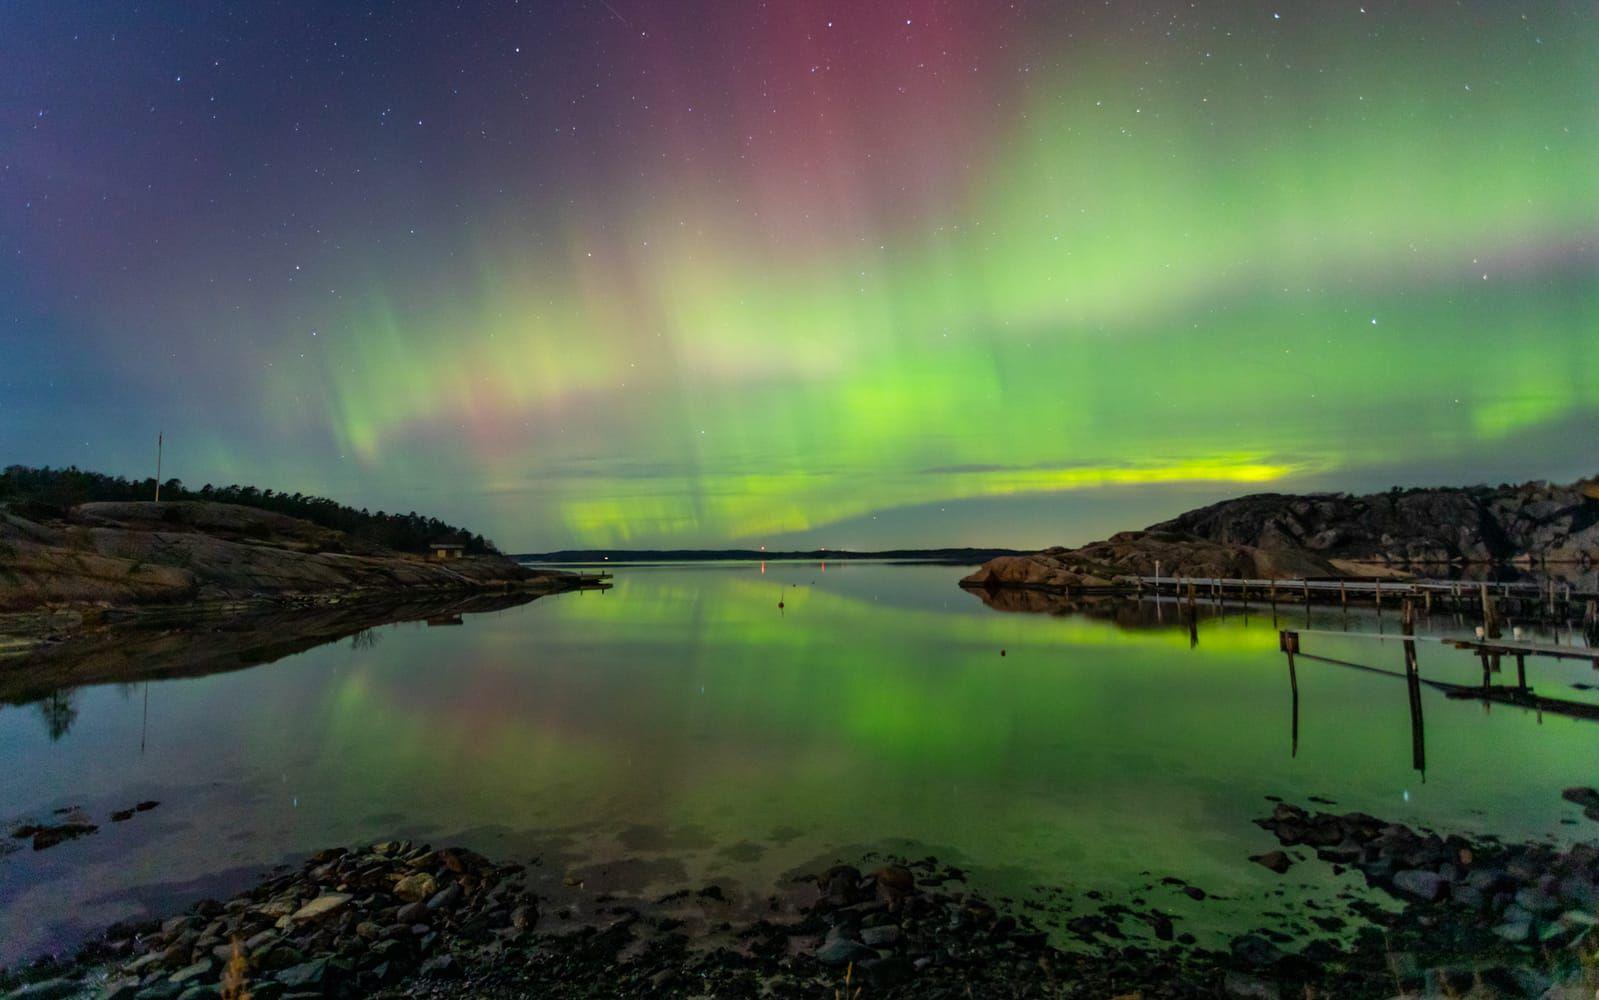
[[629, 273]]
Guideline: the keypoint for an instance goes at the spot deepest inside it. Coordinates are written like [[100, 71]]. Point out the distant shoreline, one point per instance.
[[604, 556]]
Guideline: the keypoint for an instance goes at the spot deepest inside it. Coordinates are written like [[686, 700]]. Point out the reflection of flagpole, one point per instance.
[[144, 726], [160, 435]]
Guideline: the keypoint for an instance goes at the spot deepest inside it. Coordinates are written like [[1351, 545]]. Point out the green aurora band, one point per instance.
[[1321, 248]]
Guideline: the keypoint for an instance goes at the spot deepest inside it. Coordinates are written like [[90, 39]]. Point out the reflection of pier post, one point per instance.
[[1290, 645], [1418, 739]]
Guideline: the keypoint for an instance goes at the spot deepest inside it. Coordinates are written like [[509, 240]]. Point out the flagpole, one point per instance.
[[159, 441]]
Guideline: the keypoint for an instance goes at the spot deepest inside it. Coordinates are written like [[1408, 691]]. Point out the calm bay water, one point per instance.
[[683, 727]]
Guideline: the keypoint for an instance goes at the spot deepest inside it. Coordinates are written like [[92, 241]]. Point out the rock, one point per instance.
[[1239, 984], [46, 989], [322, 906], [119, 989], [416, 887], [1579, 918], [412, 913], [130, 553], [1276, 861], [445, 898], [1429, 887], [840, 884], [842, 951], [1254, 950], [190, 972], [279, 956], [882, 936], [894, 883], [1466, 896], [1587, 798], [887, 972], [1515, 932], [45, 837], [1276, 536], [1536, 901], [441, 966], [202, 991], [461, 861], [524, 917], [307, 975], [1552, 932]]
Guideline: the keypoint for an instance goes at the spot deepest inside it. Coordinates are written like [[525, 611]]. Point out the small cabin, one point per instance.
[[443, 551]]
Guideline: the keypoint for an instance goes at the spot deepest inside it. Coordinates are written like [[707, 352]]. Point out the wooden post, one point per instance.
[[1288, 642], [1343, 594], [1418, 736], [1521, 671], [160, 439], [1379, 595]]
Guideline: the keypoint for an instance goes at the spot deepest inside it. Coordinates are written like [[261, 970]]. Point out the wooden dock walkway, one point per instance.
[[1493, 602]]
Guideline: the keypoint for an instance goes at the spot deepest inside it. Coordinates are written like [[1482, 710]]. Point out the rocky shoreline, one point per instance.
[[190, 561], [1333, 535], [1450, 916]]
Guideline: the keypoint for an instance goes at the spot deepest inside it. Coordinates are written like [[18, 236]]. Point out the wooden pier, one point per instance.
[[1493, 603]]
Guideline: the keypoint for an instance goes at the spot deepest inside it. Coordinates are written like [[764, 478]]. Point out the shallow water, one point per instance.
[[688, 724]]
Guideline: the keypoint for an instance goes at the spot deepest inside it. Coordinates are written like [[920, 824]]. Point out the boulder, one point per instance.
[[843, 951], [1429, 887], [322, 906], [1587, 798], [416, 887]]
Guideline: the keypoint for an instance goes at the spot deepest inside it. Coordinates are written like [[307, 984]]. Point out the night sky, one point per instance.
[[700, 272]]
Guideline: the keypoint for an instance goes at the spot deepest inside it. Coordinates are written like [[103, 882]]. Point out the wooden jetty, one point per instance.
[[1492, 602]]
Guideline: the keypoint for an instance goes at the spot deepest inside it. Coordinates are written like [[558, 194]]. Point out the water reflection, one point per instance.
[[872, 710], [58, 711]]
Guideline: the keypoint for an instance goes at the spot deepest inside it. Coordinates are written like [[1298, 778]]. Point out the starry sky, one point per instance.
[[709, 272]]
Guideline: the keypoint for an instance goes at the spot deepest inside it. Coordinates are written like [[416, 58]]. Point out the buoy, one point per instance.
[[1002, 652]]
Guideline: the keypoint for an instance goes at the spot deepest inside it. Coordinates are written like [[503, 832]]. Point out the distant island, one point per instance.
[[948, 557], [1274, 536]]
